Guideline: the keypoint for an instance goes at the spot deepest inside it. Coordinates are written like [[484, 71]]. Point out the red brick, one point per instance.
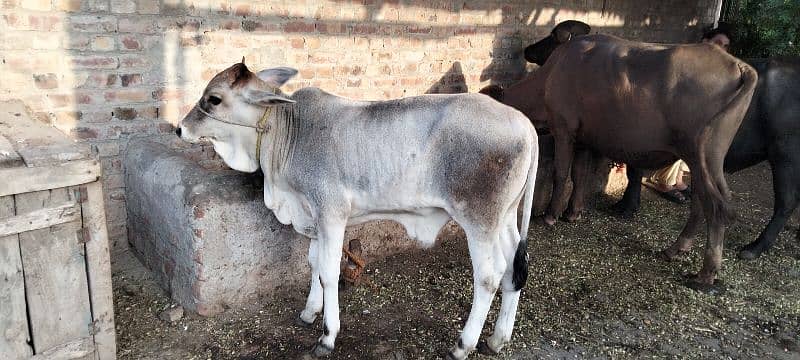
[[193, 40], [77, 41], [325, 28], [466, 31], [92, 23], [94, 117], [45, 81], [84, 133], [130, 42], [141, 25], [133, 61], [130, 79], [128, 95], [123, 6], [125, 113], [299, 26], [419, 30], [297, 43], [94, 62], [184, 24], [242, 10], [364, 29], [60, 100], [230, 24], [260, 26]]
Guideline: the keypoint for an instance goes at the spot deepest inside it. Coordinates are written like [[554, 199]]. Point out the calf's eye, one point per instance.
[[214, 100]]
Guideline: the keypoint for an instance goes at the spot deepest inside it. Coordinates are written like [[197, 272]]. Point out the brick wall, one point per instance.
[[105, 71]]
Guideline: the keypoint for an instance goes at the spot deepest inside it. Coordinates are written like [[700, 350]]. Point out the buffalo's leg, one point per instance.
[[488, 266], [314, 301], [504, 324], [786, 201], [581, 176], [712, 257], [562, 161], [631, 199], [331, 239], [716, 208], [686, 238]]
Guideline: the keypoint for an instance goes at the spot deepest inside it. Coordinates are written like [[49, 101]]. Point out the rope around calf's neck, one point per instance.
[[261, 127]]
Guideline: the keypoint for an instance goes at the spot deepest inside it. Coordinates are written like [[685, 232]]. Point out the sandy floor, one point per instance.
[[597, 289]]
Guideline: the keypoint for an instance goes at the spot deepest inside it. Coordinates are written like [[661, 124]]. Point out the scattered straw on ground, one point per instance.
[[596, 289]]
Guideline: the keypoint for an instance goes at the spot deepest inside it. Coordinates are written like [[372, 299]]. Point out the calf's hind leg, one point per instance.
[[504, 324], [488, 267]]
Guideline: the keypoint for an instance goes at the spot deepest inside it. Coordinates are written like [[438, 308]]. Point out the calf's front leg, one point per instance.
[[330, 240]]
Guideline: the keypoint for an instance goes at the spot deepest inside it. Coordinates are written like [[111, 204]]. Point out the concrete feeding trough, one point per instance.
[[210, 241]]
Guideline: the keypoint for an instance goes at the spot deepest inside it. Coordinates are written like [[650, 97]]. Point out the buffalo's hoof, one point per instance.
[[485, 349], [750, 252], [671, 254], [749, 255], [548, 220], [302, 323], [573, 218], [713, 288], [321, 350], [623, 210]]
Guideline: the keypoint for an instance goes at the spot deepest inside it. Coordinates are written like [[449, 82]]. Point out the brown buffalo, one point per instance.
[[646, 105]]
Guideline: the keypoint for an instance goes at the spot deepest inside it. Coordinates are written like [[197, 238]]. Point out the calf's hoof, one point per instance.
[[712, 287], [302, 323], [485, 349], [321, 350]]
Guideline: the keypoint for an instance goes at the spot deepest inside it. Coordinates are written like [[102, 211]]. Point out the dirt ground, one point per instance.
[[597, 289]]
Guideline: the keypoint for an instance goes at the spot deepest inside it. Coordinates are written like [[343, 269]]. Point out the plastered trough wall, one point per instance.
[[104, 71]]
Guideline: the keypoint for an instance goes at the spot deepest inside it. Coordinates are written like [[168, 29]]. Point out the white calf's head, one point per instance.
[[231, 106]]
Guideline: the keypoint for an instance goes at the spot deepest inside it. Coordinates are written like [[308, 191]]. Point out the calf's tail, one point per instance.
[[520, 275]]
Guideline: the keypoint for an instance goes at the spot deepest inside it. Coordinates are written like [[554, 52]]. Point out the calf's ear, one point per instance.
[[264, 98], [276, 77]]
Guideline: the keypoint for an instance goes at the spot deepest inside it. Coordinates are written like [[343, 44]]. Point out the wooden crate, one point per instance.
[[55, 273]]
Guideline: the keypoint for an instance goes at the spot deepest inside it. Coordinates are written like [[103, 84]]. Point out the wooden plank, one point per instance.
[[98, 263], [75, 349], [36, 142], [38, 219], [55, 276], [8, 156], [13, 317], [54, 154], [23, 180]]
